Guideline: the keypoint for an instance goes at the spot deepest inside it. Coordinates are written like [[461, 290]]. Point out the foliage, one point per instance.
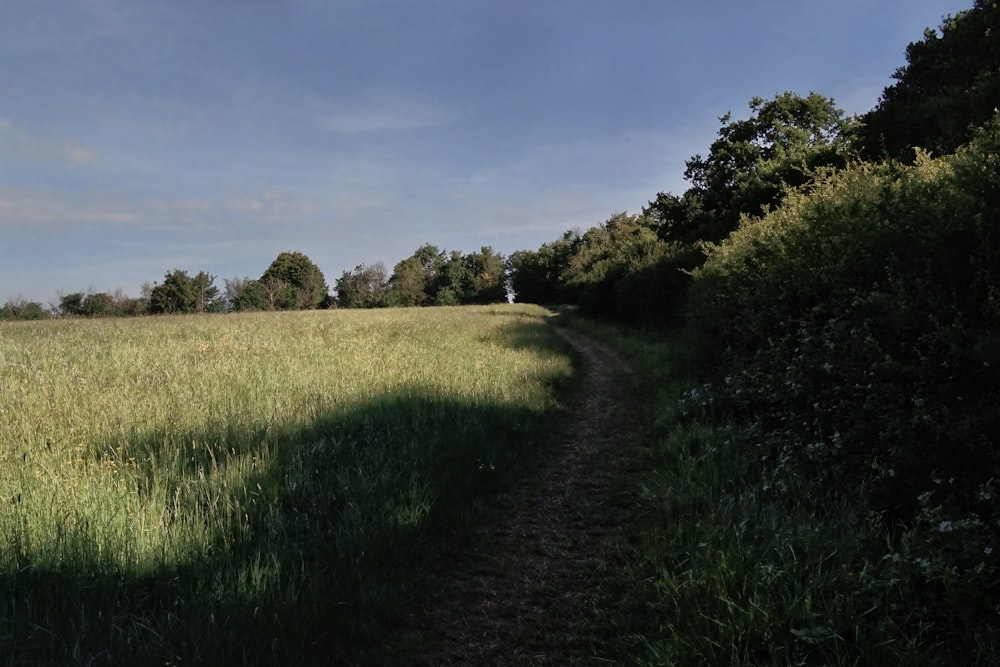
[[537, 275], [753, 162], [949, 86], [724, 566], [434, 277], [181, 293], [485, 273], [293, 282], [451, 280], [408, 284], [365, 287], [635, 268], [98, 304], [19, 309], [414, 280], [246, 295], [101, 304], [620, 270], [71, 305], [857, 328]]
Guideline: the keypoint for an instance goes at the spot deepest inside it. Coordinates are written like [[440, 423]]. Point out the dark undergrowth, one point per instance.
[[732, 563]]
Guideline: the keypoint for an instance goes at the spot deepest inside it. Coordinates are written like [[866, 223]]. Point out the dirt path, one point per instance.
[[538, 586]]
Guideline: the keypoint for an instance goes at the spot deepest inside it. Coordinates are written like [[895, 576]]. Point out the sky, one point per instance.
[[142, 136]]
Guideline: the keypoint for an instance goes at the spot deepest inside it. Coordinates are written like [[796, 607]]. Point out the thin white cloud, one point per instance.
[[383, 110], [51, 210], [21, 144]]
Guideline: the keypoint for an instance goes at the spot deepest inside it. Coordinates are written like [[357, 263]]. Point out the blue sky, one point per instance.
[[140, 136]]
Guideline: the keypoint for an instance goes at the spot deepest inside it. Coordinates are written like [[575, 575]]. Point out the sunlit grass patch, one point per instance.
[[174, 488]]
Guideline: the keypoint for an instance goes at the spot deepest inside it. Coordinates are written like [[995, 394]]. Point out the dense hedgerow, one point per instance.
[[857, 328]]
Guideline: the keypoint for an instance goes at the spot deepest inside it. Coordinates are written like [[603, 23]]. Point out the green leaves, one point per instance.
[[293, 282], [950, 85], [181, 293], [886, 275]]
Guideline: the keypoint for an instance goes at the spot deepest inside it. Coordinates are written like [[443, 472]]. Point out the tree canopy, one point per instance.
[[753, 162], [181, 293], [949, 86], [293, 282]]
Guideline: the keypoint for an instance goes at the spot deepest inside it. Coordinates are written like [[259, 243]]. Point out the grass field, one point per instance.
[[250, 488]]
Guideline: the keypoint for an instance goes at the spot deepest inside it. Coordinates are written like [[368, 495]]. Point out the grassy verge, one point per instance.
[[251, 489], [731, 565]]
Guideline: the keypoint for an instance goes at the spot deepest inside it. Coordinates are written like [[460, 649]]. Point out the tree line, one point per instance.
[[429, 277], [839, 278], [639, 268], [635, 268]]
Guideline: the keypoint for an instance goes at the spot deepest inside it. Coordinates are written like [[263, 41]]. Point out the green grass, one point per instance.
[[731, 564], [250, 488], [271, 489]]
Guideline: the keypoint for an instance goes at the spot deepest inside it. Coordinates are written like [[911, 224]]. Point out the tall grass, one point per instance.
[[729, 564], [250, 488]]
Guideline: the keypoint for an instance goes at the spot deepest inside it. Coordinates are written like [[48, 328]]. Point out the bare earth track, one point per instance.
[[535, 588]]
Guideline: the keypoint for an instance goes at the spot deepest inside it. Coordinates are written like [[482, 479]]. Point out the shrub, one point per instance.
[[859, 324]]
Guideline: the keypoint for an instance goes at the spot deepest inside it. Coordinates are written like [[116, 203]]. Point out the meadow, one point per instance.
[[251, 488]]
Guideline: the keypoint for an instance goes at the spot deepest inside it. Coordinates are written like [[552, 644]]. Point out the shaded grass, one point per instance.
[[729, 565], [257, 489]]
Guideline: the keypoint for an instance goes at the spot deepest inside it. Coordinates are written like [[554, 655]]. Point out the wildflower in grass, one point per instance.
[[988, 550], [946, 527]]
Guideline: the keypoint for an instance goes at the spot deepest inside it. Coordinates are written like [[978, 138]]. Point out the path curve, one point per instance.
[[538, 595]]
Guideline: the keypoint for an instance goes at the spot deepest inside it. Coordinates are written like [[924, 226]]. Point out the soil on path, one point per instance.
[[538, 584]]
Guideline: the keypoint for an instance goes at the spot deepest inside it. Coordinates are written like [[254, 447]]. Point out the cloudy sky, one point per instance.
[[140, 136]]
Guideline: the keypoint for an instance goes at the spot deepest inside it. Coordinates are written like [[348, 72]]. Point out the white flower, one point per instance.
[[988, 550], [946, 527]]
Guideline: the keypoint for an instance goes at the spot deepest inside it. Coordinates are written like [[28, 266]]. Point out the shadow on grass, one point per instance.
[[299, 543]]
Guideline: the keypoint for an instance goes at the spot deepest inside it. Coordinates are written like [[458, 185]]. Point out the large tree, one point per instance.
[[98, 304], [408, 285], [451, 283], [949, 86], [486, 272], [752, 163], [71, 305], [365, 287], [245, 294], [181, 293], [537, 275], [292, 281]]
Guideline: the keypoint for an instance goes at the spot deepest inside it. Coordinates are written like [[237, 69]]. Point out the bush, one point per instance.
[[856, 331], [859, 324]]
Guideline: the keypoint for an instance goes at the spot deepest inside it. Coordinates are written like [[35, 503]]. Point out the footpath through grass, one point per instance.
[[730, 564], [250, 489]]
